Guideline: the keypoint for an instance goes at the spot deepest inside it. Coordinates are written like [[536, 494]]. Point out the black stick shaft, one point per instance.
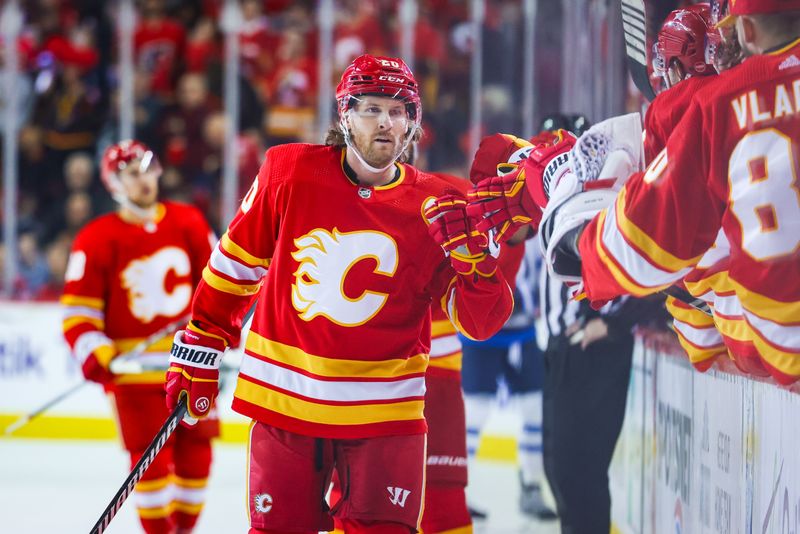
[[141, 466]]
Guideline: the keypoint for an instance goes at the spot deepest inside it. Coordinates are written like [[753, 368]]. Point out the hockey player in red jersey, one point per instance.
[[730, 166], [684, 58], [334, 365], [130, 274]]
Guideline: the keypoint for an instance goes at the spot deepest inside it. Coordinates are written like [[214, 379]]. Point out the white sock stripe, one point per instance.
[[154, 499], [190, 495]]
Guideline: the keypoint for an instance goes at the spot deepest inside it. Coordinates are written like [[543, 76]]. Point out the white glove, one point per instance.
[[610, 150]]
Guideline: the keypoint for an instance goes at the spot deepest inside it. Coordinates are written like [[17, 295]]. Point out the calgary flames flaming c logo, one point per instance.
[[325, 260]]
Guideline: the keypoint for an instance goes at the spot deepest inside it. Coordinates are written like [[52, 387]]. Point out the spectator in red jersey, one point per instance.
[[159, 43], [182, 126], [257, 40], [202, 47]]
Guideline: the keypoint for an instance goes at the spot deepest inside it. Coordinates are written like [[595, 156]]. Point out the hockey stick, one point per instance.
[[141, 466], [634, 26], [115, 367]]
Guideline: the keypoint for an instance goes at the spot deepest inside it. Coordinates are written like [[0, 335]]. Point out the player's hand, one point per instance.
[[194, 371], [505, 203], [101, 351], [451, 227], [96, 370]]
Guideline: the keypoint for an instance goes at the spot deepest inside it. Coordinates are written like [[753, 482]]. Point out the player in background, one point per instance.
[[511, 356], [730, 165], [130, 274], [334, 365], [683, 56]]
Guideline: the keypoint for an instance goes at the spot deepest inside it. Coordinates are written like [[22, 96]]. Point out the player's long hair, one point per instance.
[[335, 137]]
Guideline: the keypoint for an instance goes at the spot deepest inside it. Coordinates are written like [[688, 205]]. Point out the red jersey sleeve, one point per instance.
[[238, 263], [478, 306], [661, 223], [84, 298]]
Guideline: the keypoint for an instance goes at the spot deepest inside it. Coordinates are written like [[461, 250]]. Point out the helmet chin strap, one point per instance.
[[349, 142]]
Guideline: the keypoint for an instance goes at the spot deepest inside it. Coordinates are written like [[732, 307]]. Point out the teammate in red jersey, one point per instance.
[[730, 166], [684, 58], [334, 366], [130, 274]]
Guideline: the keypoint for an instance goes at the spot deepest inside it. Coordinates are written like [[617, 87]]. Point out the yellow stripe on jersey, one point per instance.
[[71, 322], [663, 259], [162, 345], [718, 283], [226, 286], [785, 362], [325, 413], [697, 354], [78, 300], [452, 362], [622, 278], [736, 329], [334, 367], [442, 328], [763, 306], [691, 316], [236, 251]]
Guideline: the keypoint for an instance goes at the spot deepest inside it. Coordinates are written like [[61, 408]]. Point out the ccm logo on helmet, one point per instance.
[[203, 357], [393, 79]]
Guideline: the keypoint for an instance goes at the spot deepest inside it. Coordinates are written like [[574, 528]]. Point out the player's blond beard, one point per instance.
[[364, 145]]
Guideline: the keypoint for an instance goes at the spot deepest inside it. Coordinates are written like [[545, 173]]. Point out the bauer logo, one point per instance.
[[263, 503]]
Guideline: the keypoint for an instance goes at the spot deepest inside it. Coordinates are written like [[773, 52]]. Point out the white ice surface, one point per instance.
[[63, 486]]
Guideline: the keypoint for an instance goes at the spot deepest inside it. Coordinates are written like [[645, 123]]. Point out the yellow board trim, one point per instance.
[[334, 367], [220, 284], [327, 414], [235, 250], [491, 447]]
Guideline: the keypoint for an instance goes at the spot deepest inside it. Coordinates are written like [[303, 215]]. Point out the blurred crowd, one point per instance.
[[68, 104]]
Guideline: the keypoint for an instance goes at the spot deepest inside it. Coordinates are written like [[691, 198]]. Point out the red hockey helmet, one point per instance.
[[380, 76], [683, 42], [122, 155]]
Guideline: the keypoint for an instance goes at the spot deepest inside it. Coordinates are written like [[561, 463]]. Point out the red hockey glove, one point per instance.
[[194, 371], [456, 234], [505, 203], [498, 154], [97, 351]]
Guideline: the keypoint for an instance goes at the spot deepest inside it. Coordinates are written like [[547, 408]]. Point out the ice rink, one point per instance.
[[49, 486]]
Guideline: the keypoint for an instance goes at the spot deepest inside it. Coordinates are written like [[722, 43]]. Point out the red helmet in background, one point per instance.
[[683, 42], [121, 156], [380, 76]]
